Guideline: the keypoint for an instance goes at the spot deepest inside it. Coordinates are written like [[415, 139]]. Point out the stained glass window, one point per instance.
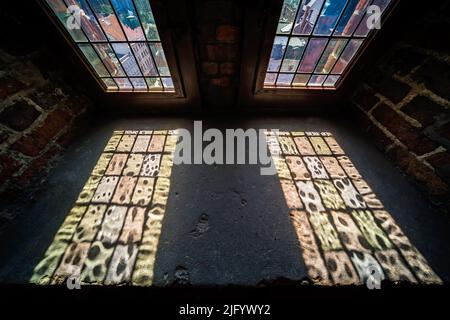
[[317, 40], [119, 40]]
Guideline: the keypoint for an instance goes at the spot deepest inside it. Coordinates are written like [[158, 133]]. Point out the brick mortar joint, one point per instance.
[[396, 141]]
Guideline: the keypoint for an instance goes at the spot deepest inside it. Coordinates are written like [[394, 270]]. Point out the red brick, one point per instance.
[[9, 86], [424, 175], [19, 116], [210, 68], [445, 131], [32, 144], [3, 136], [221, 82], [393, 89], [228, 68], [38, 166], [436, 77], [8, 166], [227, 33], [365, 98], [406, 133], [439, 159], [221, 52], [441, 162], [47, 96], [423, 110]]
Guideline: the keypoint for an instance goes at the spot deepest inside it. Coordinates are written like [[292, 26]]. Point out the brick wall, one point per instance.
[[217, 43], [39, 111], [404, 105]]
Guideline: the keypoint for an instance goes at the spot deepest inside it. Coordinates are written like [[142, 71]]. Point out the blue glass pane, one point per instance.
[[126, 58], [287, 16], [147, 19], [351, 17], [329, 17], [307, 17], [108, 20], [61, 12], [89, 24], [129, 19]]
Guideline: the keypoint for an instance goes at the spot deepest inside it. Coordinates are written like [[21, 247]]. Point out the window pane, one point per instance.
[[108, 20], [316, 80], [120, 40], [94, 60], [319, 46], [285, 79], [160, 59], [109, 83], [347, 56], [109, 59], [124, 84], [139, 83], [278, 48], [270, 78], [129, 19], [300, 80], [147, 19], [60, 10], [329, 17], [353, 14], [143, 55], [127, 59], [287, 16], [89, 24], [167, 83], [363, 29], [312, 55], [293, 54], [307, 16], [154, 84], [330, 55], [331, 81]]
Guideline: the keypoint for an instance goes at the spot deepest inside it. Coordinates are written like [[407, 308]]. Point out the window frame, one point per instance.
[[262, 18], [180, 60]]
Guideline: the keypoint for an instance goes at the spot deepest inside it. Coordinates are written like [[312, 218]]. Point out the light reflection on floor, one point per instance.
[[111, 234], [343, 229]]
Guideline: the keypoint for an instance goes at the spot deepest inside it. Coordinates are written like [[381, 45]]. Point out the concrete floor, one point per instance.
[[249, 236]]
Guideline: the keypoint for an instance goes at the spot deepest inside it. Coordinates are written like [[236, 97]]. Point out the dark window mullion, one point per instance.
[[128, 43], [301, 58], [282, 58], [311, 35], [318, 18], [145, 36], [339, 57], [363, 19], [330, 37], [107, 39], [85, 58], [289, 40], [321, 55]]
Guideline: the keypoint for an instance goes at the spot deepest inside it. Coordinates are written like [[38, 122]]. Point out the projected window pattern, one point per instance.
[[346, 235], [316, 41], [120, 41], [111, 234]]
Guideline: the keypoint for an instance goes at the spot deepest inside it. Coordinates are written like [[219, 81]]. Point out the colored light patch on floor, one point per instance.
[[111, 234], [344, 232]]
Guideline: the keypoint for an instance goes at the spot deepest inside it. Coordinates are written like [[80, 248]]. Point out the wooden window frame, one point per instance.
[[261, 18], [176, 39]]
